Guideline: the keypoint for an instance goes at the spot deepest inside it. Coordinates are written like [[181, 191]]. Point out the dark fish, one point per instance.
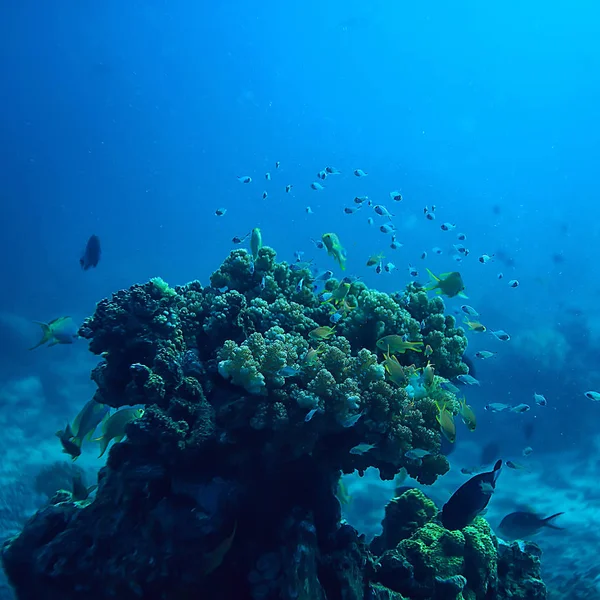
[[91, 254], [522, 524], [470, 499], [66, 441], [80, 490]]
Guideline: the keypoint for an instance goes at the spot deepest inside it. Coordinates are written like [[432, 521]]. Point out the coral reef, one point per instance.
[[254, 405]]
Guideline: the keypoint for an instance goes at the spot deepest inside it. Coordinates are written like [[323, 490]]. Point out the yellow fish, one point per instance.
[[448, 284], [446, 421], [338, 295], [342, 493], [396, 345], [467, 415], [114, 427], [90, 416], [335, 249], [321, 333], [57, 331], [474, 325], [375, 259], [394, 370], [255, 242]]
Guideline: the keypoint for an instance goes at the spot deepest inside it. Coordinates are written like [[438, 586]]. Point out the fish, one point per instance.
[[516, 466], [412, 271], [447, 226], [114, 427], [311, 413], [462, 249], [212, 560], [288, 188], [468, 380], [61, 330], [527, 451], [524, 524], [496, 407], [467, 415], [395, 344], [370, 221], [429, 215], [66, 439], [289, 371], [236, 239], [319, 245], [335, 249], [90, 416], [324, 276], [265, 195], [469, 310], [379, 268], [447, 284], [394, 370], [474, 325], [220, 212], [417, 453], [382, 211], [471, 470], [342, 493], [359, 173], [255, 242], [338, 295], [92, 253], [299, 285], [437, 251], [277, 164], [387, 228], [395, 244], [322, 174], [501, 335], [513, 283], [321, 333], [268, 176], [428, 375], [315, 185], [461, 237], [79, 490], [540, 399], [485, 354], [350, 210], [244, 179], [594, 396], [374, 259], [362, 448], [332, 171], [396, 196], [500, 275], [352, 420], [361, 200], [428, 351], [446, 421], [485, 258], [308, 210], [520, 408], [470, 499], [389, 267]]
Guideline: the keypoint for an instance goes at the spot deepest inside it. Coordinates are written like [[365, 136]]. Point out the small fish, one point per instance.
[[447, 284], [524, 524], [333, 171], [361, 200], [520, 408], [382, 211], [308, 210], [58, 331], [474, 325], [500, 275], [417, 454], [379, 269], [277, 165], [321, 333], [484, 354], [395, 344], [428, 351], [322, 175], [255, 242], [220, 212], [69, 446], [89, 417], [461, 249], [423, 255], [394, 370], [311, 413], [263, 283], [437, 251], [450, 387], [288, 188], [350, 210], [468, 380], [115, 426], [370, 221], [467, 415], [362, 448], [471, 470], [236, 239], [540, 399], [387, 228], [351, 421], [91, 254], [501, 335], [265, 195], [485, 258], [469, 310], [244, 179], [79, 490], [516, 466], [315, 185], [461, 237], [342, 493], [496, 407], [428, 375], [374, 259], [312, 355], [429, 216], [396, 196], [335, 317], [470, 499], [594, 396], [335, 249], [445, 420], [360, 173], [527, 451], [299, 285], [289, 371], [319, 245], [268, 176], [395, 244], [457, 258], [447, 226], [513, 283], [412, 271], [389, 267]]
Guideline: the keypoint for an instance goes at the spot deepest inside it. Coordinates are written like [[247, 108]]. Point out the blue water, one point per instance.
[[132, 120]]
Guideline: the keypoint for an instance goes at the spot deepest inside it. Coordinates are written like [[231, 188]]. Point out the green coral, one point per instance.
[[162, 287]]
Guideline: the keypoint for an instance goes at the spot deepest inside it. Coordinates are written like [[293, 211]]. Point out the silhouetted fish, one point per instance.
[[91, 254], [470, 499], [522, 524]]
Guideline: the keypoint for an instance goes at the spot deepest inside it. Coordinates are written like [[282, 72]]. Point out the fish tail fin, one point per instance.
[[46, 334], [547, 520]]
